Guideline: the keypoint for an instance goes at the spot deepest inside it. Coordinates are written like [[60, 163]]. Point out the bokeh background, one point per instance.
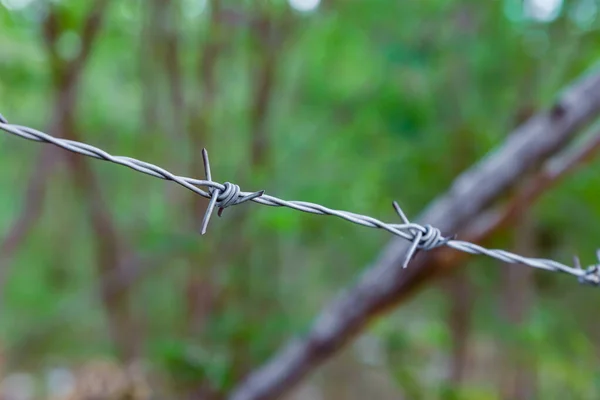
[[346, 103]]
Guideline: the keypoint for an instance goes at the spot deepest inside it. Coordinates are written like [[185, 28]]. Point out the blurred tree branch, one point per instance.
[[199, 290], [109, 246], [148, 56], [67, 73], [201, 287], [517, 296], [459, 287], [172, 62], [490, 222], [35, 194], [203, 103], [386, 284], [270, 33], [246, 295], [250, 293]]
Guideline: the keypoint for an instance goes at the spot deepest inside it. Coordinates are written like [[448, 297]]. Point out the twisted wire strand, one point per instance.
[[228, 194]]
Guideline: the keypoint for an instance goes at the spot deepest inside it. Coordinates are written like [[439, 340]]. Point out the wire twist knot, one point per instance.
[[591, 276], [431, 238], [424, 237], [230, 195]]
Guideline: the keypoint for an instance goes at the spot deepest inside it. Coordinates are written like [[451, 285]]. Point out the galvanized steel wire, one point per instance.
[[228, 194]]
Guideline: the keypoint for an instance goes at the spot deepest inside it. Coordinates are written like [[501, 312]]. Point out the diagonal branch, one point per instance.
[[89, 32], [493, 221], [552, 173], [386, 283], [69, 72]]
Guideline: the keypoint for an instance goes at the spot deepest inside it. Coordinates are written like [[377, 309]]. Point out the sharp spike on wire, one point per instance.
[[3, 120], [448, 239], [400, 212], [249, 197], [209, 210], [412, 249], [214, 193], [576, 262], [254, 195], [206, 165], [418, 235]]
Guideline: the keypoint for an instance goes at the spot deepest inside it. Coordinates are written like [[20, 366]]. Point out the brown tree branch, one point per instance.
[[89, 33], [52, 30], [554, 170], [517, 295], [386, 282], [199, 290], [172, 65], [491, 222], [264, 81], [67, 76], [109, 255], [35, 194], [202, 105], [246, 297], [148, 56], [36, 188]]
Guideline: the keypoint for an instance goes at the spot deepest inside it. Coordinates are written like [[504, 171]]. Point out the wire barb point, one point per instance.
[[214, 193], [591, 275], [228, 195], [577, 263], [400, 212], [417, 235], [424, 237], [207, 214], [206, 164]]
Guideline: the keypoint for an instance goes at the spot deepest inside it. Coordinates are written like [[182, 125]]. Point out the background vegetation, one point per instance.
[[346, 103]]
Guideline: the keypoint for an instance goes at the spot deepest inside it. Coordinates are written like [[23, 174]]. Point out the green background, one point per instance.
[[350, 105]]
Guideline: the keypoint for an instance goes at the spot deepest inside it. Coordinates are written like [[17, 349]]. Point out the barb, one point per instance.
[[228, 194], [424, 237], [591, 276]]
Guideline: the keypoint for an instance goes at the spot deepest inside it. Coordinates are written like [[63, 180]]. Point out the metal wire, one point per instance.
[[228, 194]]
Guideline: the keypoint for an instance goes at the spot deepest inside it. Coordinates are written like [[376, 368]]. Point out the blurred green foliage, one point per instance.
[[370, 101]]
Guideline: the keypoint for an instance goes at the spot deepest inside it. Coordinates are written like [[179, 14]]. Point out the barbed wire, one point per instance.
[[422, 237]]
